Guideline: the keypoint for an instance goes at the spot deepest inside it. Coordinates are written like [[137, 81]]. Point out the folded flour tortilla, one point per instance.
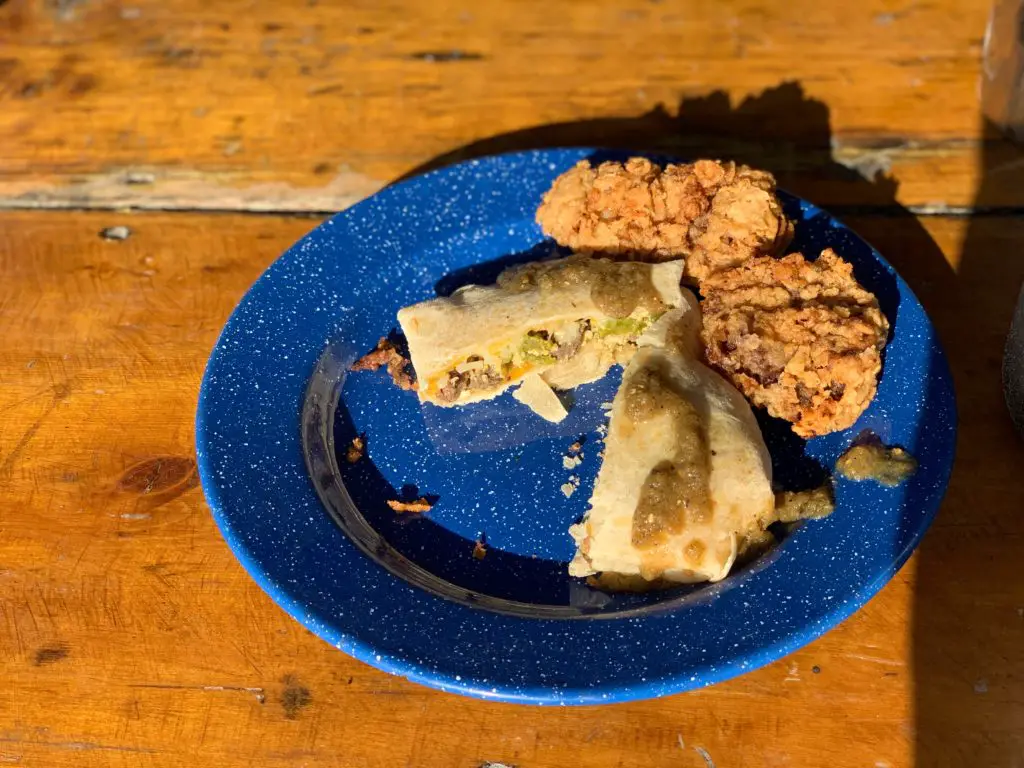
[[686, 478], [567, 320]]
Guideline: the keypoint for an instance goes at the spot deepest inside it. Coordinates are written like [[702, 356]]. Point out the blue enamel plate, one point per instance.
[[277, 412]]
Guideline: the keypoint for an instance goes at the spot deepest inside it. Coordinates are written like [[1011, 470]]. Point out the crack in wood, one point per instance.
[[61, 392], [256, 691], [78, 746], [168, 188]]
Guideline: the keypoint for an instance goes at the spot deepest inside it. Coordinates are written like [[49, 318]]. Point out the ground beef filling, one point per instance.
[[480, 377], [538, 346]]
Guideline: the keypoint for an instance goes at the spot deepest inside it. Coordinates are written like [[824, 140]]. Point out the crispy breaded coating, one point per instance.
[[800, 338], [716, 215]]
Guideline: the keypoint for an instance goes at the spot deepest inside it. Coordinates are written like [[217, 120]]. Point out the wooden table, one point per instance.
[[219, 132]]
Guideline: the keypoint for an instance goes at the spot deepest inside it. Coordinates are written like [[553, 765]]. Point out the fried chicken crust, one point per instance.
[[801, 338], [716, 215]]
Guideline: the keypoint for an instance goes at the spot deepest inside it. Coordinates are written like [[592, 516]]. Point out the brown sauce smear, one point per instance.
[[676, 491], [694, 551], [874, 461], [812, 504], [616, 288]]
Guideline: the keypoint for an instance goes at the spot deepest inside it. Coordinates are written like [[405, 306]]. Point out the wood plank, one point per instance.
[[130, 636], [308, 106]]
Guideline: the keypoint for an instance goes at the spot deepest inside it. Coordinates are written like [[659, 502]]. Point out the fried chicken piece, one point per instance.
[[802, 339], [715, 214], [386, 353]]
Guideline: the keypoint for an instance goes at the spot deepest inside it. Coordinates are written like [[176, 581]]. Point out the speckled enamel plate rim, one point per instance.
[[266, 470]]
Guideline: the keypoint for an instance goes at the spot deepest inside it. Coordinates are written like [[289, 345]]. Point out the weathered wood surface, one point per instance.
[[129, 636], [310, 106]]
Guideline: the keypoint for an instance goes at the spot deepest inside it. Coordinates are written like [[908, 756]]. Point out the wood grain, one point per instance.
[[129, 636], [309, 106]]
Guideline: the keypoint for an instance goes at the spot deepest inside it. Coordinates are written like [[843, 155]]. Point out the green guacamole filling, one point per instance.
[[537, 349], [625, 326]]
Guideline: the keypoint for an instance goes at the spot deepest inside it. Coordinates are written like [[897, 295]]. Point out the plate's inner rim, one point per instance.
[[319, 409]]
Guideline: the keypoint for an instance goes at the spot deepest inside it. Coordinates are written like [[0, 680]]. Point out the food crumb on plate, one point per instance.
[[479, 550], [386, 353], [569, 487], [415, 507], [571, 462], [356, 449]]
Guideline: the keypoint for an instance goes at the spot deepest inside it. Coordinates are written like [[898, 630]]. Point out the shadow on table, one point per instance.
[[968, 632], [968, 628]]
